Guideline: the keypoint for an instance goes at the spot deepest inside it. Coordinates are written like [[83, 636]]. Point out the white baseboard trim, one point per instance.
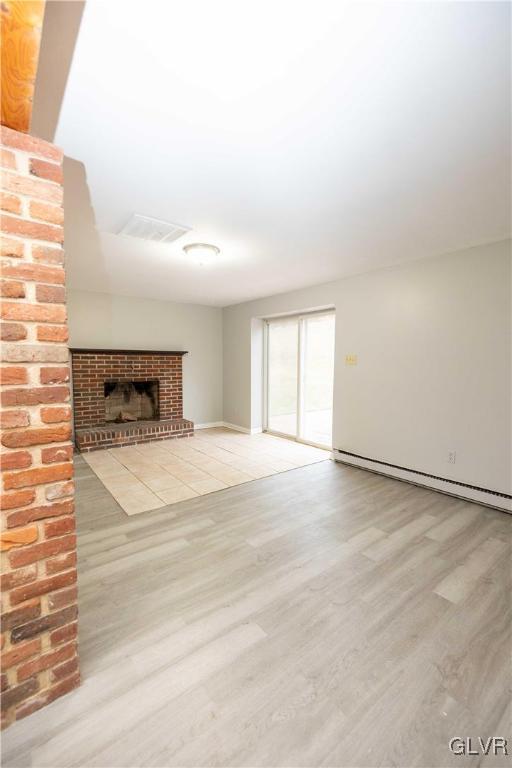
[[450, 487], [236, 427], [227, 425]]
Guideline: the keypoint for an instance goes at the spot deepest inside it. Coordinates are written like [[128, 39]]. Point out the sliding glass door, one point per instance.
[[318, 377], [299, 377], [282, 368]]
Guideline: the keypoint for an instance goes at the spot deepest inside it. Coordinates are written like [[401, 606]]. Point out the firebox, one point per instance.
[[131, 401]]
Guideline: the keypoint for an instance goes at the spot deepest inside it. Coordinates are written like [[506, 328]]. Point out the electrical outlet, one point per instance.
[[350, 359], [452, 457]]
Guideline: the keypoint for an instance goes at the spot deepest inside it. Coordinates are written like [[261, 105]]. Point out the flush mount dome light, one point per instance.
[[201, 253]]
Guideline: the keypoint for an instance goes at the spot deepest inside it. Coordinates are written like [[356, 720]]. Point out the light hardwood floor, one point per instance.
[[322, 617]]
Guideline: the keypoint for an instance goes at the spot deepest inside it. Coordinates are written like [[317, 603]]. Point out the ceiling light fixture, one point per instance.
[[201, 253]]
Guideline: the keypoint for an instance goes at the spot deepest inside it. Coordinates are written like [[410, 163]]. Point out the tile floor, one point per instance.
[[152, 475]]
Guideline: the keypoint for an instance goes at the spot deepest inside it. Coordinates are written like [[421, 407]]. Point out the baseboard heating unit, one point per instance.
[[485, 496]]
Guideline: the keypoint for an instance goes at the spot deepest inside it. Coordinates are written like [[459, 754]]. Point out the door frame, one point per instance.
[[301, 318]]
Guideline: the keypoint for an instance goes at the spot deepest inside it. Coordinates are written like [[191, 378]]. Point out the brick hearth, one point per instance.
[[93, 367]]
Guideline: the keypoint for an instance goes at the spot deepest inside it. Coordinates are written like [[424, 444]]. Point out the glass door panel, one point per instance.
[[282, 372], [317, 342]]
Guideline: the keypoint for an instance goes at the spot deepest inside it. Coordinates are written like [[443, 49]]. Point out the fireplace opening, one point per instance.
[[131, 401]]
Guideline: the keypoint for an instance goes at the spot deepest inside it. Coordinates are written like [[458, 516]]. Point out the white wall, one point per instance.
[[433, 340], [119, 322]]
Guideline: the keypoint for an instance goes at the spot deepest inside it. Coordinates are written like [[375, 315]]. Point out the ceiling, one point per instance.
[[308, 141]]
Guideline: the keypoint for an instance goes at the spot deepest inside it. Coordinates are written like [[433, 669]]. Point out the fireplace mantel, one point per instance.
[[84, 351]]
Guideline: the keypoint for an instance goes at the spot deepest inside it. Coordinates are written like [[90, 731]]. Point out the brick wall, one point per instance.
[[92, 369], [39, 596]]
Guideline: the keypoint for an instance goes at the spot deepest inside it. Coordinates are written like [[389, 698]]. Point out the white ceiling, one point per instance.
[[307, 140]]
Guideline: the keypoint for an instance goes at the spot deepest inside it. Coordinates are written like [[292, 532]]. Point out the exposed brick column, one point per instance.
[[39, 596]]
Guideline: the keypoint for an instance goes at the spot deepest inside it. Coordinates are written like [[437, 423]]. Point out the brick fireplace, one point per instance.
[[123, 397]]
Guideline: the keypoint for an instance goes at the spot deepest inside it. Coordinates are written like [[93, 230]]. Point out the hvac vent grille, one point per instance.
[[147, 228]]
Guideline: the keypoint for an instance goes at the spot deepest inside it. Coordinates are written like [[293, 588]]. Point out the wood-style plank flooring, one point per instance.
[[326, 616]]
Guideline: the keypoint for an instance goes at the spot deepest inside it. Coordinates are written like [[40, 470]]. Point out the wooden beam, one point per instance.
[[22, 23]]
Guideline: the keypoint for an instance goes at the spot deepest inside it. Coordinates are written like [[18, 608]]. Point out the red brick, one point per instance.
[[31, 554], [54, 415], [38, 476], [20, 653], [21, 439], [63, 634], [57, 454], [10, 203], [7, 159], [44, 212], [64, 670], [18, 499], [52, 333], [41, 586], [13, 331], [44, 624], [34, 396], [51, 294], [12, 248], [26, 613], [47, 255], [15, 375], [24, 516], [18, 577], [59, 527], [62, 563], [33, 313], [33, 704], [46, 661], [15, 460], [39, 273], [54, 375], [26, 143], [19, 693], [12, 289], [32, 229], [62, 598], [32, 187], [44, 170], [12, 419]]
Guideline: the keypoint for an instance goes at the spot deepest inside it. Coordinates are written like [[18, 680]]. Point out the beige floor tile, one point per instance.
[[189, 473], [135, 503], [232, 477], [160, 482], [207, 486], [108, 471], [123, 484], [147, 476], [180, 493]]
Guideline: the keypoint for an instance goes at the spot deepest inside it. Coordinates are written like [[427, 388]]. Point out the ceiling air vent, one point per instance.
[[152, 229]]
